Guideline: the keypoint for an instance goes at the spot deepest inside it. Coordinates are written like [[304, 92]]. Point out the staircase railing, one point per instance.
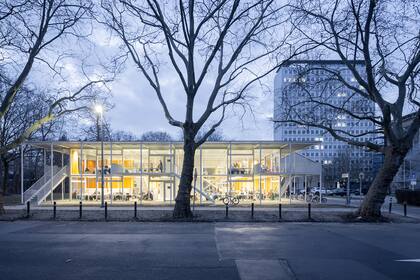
[[206, 195], [33, 190], [39, 187], [46, 189], [286, 185]]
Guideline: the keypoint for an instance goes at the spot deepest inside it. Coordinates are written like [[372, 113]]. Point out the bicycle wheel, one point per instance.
[[226, 200], [324, 200], [235, 201]]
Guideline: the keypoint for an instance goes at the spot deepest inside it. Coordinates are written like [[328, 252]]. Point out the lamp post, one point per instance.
[[99, 110]]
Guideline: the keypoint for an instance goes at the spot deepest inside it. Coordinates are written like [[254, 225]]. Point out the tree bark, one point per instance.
[[4, 175], [182, 201], [374, 199]]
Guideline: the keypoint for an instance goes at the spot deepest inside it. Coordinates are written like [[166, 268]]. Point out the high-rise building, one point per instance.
[[310, 91]]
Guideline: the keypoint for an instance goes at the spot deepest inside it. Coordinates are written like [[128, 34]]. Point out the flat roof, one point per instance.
[[64, 145]]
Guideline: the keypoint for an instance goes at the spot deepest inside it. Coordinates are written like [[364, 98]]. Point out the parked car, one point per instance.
[[339, 192], [318, 190]]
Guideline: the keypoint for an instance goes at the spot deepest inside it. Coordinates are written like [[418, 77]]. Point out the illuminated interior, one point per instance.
[[150, 172]]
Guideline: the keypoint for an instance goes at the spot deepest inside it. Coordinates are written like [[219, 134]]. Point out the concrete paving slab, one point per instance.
[[264, 269]]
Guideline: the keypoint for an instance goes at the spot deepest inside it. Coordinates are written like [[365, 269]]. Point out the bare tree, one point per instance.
[[217, 49], [384, 36], [36, 34], [156, 136], [216, 136]]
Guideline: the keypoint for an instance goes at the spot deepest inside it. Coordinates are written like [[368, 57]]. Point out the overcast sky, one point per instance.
[[137, 109]]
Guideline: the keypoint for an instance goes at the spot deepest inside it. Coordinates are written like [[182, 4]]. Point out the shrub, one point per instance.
[[409, 196]]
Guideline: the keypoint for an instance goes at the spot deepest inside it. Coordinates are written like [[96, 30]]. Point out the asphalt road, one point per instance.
[[98, 250]]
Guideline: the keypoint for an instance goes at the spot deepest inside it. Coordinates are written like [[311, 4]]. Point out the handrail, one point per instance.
[[32, 190], [56, 180], [40, 184]]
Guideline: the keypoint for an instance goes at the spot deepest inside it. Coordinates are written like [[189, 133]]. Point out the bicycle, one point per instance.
[[230, 200], [316, 199]]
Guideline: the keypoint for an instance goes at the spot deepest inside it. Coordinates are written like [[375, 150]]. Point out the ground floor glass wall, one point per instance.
[[149, 173]]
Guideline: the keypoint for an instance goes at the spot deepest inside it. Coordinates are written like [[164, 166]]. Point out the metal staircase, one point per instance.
[[285, 184], [206, 195], [42, 188]]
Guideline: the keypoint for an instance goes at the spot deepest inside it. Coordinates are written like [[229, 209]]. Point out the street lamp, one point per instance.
[[99, 111]]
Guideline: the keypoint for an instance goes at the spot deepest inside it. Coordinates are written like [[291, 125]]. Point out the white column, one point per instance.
[[81, 171], [96, 174], [227, 168], [45, 165], [201, 175], [290, 173], [110, 166], [230, 165], [21, 173], [52, 172], [280, 175], [141, 173], [70, 177], [62, 183], [260, 156]]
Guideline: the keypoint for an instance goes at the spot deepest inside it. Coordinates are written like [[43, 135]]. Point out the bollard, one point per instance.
[[227, 211], [405, 209], [309, 211], [279, 211], [252, 210], [28, 208], [80, 210], [55, 210], [135, 209], [106, 210]]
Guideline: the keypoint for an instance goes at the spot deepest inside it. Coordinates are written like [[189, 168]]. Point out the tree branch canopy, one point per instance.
[[221, 44], [384, 36]]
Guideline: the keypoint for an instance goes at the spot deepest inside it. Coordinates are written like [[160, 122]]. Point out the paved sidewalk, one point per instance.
[[239, 251]]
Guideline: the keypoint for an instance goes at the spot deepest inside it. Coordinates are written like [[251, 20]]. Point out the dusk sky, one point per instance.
[[137, 109]]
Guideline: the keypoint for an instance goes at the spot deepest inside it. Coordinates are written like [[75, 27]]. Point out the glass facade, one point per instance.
[[243, 172]]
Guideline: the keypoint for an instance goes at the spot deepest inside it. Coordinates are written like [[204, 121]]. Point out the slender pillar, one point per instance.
[[45, 165], [122, 176], [227, 168], [141, 173], [96, 175], [70, 176], [21, 174], [260, 158], [280, 175], [230, 167], [81, 171], [52, 172], [112, 171], [253, 174], [290, 173], [201, 175], [174, 177], [62, 183]]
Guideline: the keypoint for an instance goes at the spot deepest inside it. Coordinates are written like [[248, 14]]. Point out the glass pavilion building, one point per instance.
[[149, 172]]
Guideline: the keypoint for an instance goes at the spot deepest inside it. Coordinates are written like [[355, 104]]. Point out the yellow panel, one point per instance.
[[90, 183], [74, 162], [129, 163], [128, 182]]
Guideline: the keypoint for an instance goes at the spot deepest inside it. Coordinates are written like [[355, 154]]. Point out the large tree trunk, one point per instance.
[[372, 203], [182, 201], [4, 175]]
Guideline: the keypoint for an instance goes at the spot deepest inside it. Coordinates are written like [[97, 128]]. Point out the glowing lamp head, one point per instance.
[[98, 109]]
